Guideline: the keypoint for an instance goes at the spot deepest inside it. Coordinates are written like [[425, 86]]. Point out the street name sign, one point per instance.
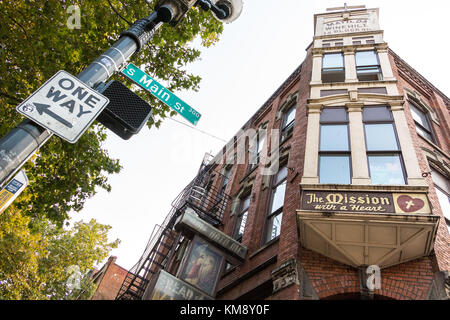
[[64, 105], [160, 92]]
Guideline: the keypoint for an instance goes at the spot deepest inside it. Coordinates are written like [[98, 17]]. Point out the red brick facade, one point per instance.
[[411, 280], [108, 279]]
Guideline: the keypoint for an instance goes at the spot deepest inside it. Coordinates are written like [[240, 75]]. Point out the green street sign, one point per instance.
[[159, 91]]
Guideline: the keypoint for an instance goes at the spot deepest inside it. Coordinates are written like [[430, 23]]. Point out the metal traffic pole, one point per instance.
[[17, 146]]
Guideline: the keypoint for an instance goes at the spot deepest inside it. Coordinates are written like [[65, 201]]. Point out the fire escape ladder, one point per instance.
[[207, 201], [137, 279]]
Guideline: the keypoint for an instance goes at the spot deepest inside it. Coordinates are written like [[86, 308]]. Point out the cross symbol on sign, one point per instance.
[[346, 8], [409, 204]]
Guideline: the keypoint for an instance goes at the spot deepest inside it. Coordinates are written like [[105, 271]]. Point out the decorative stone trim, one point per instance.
[[381, 46], [354, 106], [410, 74], [417, 99], [396, 105], [364, 98], [440, 160], [349, 51], [366, 188], [290, 101], [353, 95], [314, 108], [285, 275]]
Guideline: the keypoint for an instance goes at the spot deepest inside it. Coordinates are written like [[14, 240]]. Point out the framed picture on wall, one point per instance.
[[202, 266]]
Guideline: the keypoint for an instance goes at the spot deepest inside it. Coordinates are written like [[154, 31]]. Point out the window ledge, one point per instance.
[[265, 246], [333, 84], [249, 173], [433, 144], [227, 272], [373, 187], [285, 139]]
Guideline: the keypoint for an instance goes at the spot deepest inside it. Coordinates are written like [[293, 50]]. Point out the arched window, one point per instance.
[[422, 121]]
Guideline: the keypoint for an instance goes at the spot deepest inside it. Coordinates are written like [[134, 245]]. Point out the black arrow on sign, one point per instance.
[[43, 108]]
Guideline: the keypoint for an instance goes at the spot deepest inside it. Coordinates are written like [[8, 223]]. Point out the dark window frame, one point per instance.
[[253, 166], [288, 128], [338, 72], [225, 180], [346, 153], [239, 217], [397, 152], [447, 220], [444, 190], [374, 67], [269, 214], [426, 114]]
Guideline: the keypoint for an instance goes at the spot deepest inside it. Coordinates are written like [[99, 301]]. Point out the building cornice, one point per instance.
[[410, 72], [363, 98], [349, 49]]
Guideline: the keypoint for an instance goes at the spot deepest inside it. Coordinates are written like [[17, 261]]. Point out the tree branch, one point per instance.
[[23, 29], [114, 9]]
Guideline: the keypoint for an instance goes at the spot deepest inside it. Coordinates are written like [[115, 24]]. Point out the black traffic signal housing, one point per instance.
[[126, 112]]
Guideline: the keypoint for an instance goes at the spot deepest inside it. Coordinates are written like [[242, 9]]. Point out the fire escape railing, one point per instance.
[[208, 202]]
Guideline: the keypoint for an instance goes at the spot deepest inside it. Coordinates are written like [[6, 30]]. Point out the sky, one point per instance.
[[254, 56]]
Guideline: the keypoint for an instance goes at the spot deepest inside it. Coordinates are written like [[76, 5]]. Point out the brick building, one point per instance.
[[108, 280], [336, 188]]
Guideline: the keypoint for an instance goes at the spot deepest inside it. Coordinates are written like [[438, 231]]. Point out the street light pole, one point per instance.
[[27, 137]]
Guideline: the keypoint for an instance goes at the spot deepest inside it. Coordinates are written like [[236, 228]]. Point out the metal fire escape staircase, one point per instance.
[[208, 202]]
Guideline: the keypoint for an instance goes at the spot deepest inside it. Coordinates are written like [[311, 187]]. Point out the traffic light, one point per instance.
[[126, 112]]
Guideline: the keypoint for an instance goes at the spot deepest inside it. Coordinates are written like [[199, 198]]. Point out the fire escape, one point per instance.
[[208, 202]]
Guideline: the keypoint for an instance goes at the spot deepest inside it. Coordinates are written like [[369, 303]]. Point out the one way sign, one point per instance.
[[64, 105]]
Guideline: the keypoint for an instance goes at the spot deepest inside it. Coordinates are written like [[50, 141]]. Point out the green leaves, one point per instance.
[[37, 257], [35, 42]]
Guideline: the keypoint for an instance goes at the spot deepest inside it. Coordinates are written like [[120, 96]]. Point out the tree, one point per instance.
[[35, 43], [39, 260]]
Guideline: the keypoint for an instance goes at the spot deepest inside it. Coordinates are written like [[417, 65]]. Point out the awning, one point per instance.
[[367, 239]]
